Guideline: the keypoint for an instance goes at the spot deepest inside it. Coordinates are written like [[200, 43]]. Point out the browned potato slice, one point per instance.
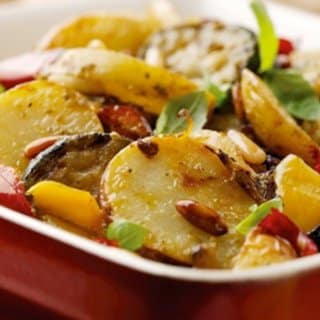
[[40, 109], [104, 72], [77, 161], [271, 122], [262, 250], [144, 187], [118, 33], [312, 128]]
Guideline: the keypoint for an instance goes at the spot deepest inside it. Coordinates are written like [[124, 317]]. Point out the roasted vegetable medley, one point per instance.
[[188, 141]]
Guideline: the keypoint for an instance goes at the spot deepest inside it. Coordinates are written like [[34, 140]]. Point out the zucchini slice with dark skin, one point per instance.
[[77, 161], [203, 48]]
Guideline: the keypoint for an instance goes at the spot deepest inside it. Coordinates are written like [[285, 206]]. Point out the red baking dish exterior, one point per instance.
[[42, 278]]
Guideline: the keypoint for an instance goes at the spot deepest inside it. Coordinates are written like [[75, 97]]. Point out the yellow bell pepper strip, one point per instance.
[[76, 206], [298, 185]]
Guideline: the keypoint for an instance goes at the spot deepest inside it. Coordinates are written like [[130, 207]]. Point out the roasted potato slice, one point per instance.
[[144, 187], [312, 128], [275, 128], [203, 47], [119, 33], [103, 72], [77, 161], [39, 109]]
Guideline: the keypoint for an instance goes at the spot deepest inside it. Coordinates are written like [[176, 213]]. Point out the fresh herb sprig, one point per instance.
[[128, 235]]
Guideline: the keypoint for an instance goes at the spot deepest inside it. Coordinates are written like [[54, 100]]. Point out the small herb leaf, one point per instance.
[[195, 103], [221, 95], [257, 214], [294, 93], [129, 236], [268, 40]]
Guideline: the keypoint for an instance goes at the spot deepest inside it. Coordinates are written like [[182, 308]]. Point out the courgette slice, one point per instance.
[[206, 47], [77, 161]]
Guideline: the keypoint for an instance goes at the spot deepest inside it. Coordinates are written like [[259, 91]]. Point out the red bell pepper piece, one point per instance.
[[125, 120], [278, 224], [285, 46], [12, 193], [23, 68]]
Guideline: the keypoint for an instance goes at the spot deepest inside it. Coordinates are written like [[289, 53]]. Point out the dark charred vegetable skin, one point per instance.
[[315, 236], [24, 68], [12, 191], [126, 120], [77, 161], [260, 186], [159, 39]]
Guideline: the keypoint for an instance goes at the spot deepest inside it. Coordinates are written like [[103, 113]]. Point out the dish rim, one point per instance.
[[134, 262], [157, 269]]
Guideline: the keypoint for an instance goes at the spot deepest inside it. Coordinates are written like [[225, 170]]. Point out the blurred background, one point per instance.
[[312, 5]]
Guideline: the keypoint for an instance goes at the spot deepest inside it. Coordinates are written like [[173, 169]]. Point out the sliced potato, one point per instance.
[[144, 188], [299, 187], [77, 161], [312, 128], [119, 33], [276, 129], [262, 250], [39, 109], [103, 72]]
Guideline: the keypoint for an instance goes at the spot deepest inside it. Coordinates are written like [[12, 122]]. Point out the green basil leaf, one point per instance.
[[129, 236], [257, 214], [268, 40], [294, 93], [221, 94], [195, 103]]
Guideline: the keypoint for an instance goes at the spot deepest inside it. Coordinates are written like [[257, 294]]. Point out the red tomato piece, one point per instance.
[[12, 193], [23, 68], [285, 46], [278, 224], [126, 120]]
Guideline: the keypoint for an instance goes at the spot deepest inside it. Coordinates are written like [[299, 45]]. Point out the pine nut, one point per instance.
[[38, 145], [250, 151], [202, 217]]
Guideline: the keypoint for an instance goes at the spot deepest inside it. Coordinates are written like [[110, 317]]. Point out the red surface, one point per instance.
[[48, 280]]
